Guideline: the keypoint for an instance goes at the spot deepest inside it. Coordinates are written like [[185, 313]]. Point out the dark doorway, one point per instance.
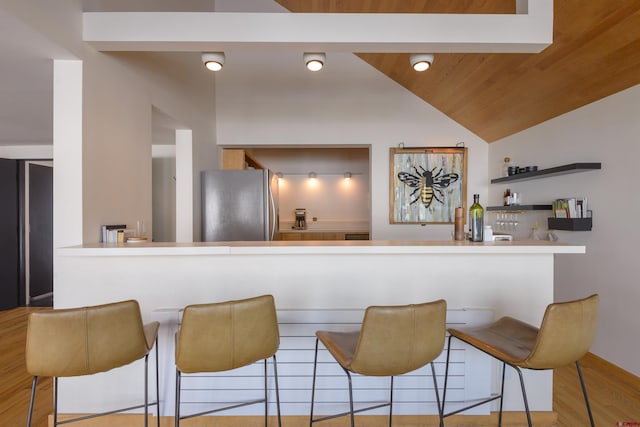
[[9, 252], [39, 233]]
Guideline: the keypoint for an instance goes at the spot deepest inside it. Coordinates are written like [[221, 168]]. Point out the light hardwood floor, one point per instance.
[[15, 382], [614, 393]]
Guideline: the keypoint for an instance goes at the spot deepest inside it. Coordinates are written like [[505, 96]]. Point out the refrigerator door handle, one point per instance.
[[272, 203]]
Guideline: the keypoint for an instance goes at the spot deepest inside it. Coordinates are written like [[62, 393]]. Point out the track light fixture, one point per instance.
[[314, 61], [421, 61], [214, 61]]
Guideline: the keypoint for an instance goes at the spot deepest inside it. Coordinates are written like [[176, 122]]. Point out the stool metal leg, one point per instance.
[[435, 388], [524, 396], [504, 367], [584, 393], [157, 385], [55, 401], [177, 410], [146, 390], [34, 384], [313, 384], [391, 402], [266, 402], [353, 422], [275, 376], [446, 372]]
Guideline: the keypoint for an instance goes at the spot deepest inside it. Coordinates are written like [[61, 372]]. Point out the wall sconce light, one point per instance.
[[421, 61], [314, 61], [313, 175], [348, 175], [214, 61]]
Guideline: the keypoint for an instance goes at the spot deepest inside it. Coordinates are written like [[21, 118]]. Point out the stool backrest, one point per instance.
[[222, 336], [398, 339], [566, 333], [86, 340]]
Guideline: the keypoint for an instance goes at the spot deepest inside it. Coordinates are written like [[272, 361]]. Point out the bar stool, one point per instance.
[[392, 340], [87, 340], [564, 337], [222, 336]]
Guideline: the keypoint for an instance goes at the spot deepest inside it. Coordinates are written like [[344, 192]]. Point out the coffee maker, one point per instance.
[[301, 219]]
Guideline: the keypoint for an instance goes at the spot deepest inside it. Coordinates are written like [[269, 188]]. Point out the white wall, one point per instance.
[[334, 201], [164, 199], [605, 131], [265, 102], [57, 25], [120, 90]]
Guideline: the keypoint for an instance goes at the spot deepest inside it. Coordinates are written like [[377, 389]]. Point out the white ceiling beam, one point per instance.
[[528, 32]]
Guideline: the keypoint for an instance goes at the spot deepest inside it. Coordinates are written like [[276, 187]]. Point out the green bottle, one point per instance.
[[476, 220]]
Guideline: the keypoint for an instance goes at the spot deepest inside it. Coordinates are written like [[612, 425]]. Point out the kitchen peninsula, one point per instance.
[[316, 285]]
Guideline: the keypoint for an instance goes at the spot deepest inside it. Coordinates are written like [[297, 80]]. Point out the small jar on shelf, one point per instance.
[[505, 166]]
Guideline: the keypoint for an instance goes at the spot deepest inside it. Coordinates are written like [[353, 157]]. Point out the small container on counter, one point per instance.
[[487, 235], [458, 232]]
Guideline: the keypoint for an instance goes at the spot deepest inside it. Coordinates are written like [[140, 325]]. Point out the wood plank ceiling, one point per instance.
[[595, 53]]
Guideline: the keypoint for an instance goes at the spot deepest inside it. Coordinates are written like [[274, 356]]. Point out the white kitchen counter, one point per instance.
[[337, 247], [322, 280]]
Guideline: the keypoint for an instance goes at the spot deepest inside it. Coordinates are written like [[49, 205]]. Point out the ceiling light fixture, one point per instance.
[[313, 175], [421, 61], [214, 61], [314, 61], [347, 175]]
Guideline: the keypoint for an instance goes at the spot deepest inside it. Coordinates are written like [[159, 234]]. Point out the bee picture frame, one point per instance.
[[426, 184]]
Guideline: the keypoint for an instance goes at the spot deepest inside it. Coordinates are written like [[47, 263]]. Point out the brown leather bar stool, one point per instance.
[[228, 335], [564, 337], [392, 340], [87, 340]]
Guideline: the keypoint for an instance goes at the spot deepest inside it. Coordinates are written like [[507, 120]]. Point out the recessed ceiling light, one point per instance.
[[421, 61], [214, 61], [314, 61]]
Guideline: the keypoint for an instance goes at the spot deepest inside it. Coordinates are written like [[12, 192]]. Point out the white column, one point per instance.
[[67, 152], [184, 185]]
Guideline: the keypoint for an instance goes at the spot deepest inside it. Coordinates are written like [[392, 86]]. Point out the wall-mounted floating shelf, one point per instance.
[[544, 173], [517, 208], [569, 224]]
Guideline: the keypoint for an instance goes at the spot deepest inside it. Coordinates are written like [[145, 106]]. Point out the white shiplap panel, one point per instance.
[[413, 392]]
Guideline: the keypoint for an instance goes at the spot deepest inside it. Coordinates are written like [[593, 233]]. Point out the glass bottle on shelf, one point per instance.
[[505, 166], [476, 219], [507, 197]]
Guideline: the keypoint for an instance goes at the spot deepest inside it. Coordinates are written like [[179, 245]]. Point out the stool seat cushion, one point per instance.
[[508, 339], [341, 345], [565, 335], [222, 336], [392, 340], [87, 340]]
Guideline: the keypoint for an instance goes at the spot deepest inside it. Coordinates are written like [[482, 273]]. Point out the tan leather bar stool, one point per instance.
[[392, 340], [564, 337], [228, 335], [87, 340]]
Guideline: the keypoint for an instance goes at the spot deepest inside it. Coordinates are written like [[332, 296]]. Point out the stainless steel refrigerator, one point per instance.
[[239, 205]]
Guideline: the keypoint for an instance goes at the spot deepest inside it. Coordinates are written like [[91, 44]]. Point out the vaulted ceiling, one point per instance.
[[595, 53]]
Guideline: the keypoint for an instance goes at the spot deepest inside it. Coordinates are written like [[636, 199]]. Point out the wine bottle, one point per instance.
[[507, 197], [476, 219]]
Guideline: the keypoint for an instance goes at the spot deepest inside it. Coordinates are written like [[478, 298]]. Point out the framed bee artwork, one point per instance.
[[427, 184]]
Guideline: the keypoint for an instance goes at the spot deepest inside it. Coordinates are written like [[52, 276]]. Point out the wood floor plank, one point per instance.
[[614, 394], [15, 381]]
